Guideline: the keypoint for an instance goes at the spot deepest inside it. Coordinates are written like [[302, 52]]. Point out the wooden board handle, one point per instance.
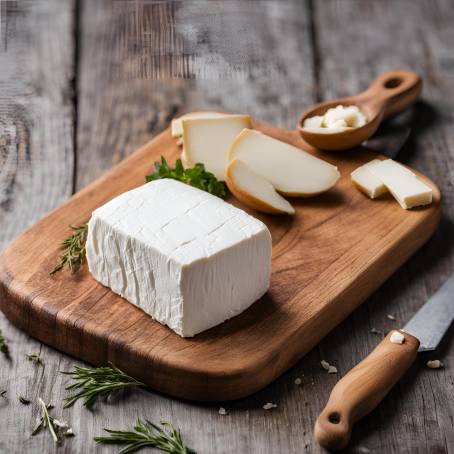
[[394, 91], [362, 389]]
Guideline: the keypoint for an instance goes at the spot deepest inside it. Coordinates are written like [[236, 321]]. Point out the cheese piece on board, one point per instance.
[[177, 123], [208, 140], [184, 256], [289, 169], [254, 191], [367, 182], [403, 184]]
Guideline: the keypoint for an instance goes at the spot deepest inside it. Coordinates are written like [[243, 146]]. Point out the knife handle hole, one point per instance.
[[334, 417], [393, 83]]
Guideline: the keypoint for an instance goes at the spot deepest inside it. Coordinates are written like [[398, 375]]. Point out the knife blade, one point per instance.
[[432, 321], [365, 386]]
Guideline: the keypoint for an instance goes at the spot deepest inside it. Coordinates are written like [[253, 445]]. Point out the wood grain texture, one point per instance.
[[296, 54], [336, 250], [359, 391]]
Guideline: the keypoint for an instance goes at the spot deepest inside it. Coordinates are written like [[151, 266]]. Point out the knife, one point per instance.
[[364, 387]]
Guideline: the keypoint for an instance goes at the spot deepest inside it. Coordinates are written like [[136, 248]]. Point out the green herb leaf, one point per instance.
[[195, 176], [23, 400], [147, 434], [34, 358], [74, 250], [45, 421], [91, 383], [3, 345]]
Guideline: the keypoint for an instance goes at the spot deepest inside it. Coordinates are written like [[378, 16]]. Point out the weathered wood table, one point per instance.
[[83, 84]]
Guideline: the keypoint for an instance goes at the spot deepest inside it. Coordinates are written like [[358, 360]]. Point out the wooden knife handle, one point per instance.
[[362, 389]]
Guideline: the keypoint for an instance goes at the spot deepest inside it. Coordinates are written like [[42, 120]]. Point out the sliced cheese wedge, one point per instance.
[[177, 123], [254, 190], [367, 182], [402, 183], [208, 140], [290, 170]]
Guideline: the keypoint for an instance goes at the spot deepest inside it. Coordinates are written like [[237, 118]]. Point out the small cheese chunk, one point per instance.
[[405, 187], [184, 256], [269, 406], [397, 337], [434, 364], [177, 123], [367, 182], [208, 141]]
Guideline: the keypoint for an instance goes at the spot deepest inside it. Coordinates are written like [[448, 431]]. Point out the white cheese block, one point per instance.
[[403, 184], [177, 123], [184, 256], [367, 182], [289, 169], [208, 141]]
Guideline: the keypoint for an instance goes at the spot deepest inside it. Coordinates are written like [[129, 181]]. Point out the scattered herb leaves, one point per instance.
[[91, 383], [73, 249], [23, 400], [3, 345], [195, 176], [46, 421], [147, 434], [34, 358]]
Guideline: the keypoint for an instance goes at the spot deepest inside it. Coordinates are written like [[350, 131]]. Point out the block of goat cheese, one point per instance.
[[184, 256], [402, 183]]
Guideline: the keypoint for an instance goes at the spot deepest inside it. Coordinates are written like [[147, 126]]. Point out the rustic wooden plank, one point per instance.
[[418, 415], [36, 175]]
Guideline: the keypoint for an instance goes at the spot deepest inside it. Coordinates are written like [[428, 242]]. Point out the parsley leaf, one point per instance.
[[195, 176]]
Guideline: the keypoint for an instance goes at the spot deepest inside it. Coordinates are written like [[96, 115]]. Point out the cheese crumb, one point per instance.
[[269, 406], [223, 411], [328, 367], [434, 364], [332, 370], [397, 337], [391, 317], [298, 381], [324, 364]]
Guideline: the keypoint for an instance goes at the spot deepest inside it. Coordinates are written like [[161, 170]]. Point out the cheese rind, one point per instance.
[[184, 256], [367, 182], [208, 141], [403, 184], [176, 125]]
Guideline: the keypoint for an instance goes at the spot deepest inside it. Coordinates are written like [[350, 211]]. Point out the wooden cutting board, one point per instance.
[[335, 251]]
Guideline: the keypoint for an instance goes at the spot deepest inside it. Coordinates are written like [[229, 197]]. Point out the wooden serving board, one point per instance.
[[335, 251]]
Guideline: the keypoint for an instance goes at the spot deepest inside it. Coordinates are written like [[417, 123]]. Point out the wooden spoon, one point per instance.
[[389, 94]]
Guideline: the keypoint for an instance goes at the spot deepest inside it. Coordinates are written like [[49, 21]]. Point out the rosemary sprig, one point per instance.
[[195, 176], [73, 249], [147, 434], [23, 400], [34, 358], [91, 383], [46, 421], [3, 345]]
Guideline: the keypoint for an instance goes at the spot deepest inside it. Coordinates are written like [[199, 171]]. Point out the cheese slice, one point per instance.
[[184, 256], [208, 141], [177, 123], [403, 184], [367, 182], [254, 191], [289, 169]]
